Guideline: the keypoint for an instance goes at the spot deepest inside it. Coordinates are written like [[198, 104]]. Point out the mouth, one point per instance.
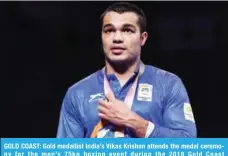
[[117, 50]]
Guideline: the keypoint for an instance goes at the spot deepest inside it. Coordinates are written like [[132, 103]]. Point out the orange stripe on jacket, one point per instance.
[[96, 129]]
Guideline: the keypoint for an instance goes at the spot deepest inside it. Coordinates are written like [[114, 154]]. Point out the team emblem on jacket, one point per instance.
[[145, 92]]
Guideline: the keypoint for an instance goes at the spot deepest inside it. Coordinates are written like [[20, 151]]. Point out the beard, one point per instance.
[[122, 65]]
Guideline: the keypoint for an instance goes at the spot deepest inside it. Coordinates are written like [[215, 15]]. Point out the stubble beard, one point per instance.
[[121, 66]]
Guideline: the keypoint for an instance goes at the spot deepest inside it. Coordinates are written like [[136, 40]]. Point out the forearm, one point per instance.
[[140, 128]]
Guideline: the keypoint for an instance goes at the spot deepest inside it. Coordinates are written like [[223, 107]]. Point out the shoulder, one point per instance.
[[169, 85], [162, 75], [164, 81]]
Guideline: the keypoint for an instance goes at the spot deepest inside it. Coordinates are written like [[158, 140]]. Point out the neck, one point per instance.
[[122, 71]]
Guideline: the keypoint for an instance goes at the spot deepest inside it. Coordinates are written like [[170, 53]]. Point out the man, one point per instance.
[[126, 98]]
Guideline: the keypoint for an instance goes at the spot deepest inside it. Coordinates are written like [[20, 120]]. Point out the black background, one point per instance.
[[48, 46]]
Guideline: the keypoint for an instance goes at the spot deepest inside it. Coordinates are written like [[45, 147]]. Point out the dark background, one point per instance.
[[48, 46]]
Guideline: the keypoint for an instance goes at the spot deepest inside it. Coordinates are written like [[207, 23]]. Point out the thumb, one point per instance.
[[110, 97]]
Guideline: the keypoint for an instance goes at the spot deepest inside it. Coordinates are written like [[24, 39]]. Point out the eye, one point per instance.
[[109, 31], [128, 30]]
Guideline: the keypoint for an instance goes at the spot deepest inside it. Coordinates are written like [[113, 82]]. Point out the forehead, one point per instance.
[[118, 19]]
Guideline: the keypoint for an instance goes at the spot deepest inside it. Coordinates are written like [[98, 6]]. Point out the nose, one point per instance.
[[118, 38]]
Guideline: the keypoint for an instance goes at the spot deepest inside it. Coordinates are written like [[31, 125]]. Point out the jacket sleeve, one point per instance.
[[70, 125], [178, 115]]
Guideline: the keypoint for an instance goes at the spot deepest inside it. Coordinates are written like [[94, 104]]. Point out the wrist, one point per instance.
[[137, 124]]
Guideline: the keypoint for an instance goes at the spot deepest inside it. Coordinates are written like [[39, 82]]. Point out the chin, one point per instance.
[[123, 58], [118, 59]]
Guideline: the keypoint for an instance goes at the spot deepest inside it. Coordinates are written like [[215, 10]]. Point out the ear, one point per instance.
[[144, 37]]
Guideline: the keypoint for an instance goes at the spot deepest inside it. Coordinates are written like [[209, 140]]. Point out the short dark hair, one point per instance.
[[121, 7]]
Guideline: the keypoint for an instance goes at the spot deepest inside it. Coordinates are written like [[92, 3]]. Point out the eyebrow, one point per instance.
[[129, 25], [124, 26], [107, 25]]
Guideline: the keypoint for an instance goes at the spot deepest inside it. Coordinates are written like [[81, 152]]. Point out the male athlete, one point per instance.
[[126, 98]]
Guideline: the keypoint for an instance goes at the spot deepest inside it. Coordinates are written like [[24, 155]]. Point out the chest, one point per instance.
[[146, 103]]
